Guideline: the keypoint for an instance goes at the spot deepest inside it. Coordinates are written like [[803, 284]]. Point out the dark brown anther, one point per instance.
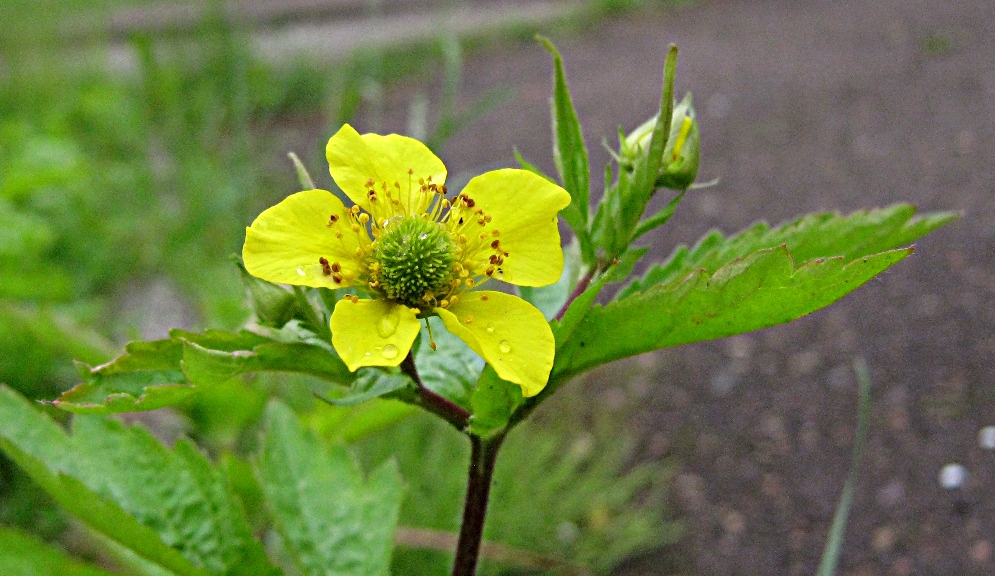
[[332, 220], [325, 267], [496, 244], [337, 278], [468, 202], [336, 267]]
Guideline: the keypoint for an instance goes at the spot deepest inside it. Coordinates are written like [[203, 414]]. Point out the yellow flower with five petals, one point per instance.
[[418, 253]]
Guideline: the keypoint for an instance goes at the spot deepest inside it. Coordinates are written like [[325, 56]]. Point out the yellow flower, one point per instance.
[[417, 253]]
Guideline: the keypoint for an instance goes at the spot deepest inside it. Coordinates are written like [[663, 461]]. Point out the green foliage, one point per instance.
[[174, 508], [332, 521], [152, 375], [22, 554], [572, 498]]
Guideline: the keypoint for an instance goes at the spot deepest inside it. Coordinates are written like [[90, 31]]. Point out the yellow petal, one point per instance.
[[373, 332], [286, 243], [511, 334], [355, 159], [523, 207]]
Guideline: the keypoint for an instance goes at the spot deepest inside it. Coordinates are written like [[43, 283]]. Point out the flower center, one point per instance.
[[415, 258]]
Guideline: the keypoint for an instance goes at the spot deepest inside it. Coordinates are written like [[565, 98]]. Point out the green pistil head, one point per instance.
[[416, 257]]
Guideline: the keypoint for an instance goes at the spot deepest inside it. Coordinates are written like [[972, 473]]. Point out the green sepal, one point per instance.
[[494, 401]]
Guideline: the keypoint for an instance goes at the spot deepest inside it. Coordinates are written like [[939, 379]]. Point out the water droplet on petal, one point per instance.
[[387, 325], [389, 351], [368, 353], [504, 346], [490, 327], [301, 272]]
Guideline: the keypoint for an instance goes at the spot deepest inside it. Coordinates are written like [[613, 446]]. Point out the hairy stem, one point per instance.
[[433, 402], [483, 455]]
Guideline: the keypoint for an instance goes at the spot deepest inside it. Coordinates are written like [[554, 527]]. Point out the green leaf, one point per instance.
[[761, 290], [494, 401], [813, 236], [332, 521], [22, 554], [569, 152], [206, 366], [46, 453], [452, 369], [169, 506], [152, 375], [371, 383], [146, 377]]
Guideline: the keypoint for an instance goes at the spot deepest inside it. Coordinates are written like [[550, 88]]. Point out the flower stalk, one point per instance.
[[483, 455]]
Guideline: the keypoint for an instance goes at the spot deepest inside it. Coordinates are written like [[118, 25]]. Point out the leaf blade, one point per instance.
[[756, 292], [334, 522]]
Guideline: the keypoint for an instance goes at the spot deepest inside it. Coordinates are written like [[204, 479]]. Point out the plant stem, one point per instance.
[[578, 290], [483, 455], [433, 402]]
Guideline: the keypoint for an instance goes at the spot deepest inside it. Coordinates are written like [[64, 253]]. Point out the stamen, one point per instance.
[[325, 268]]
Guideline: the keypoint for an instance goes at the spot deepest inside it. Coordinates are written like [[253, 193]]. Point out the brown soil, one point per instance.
[[806, 106]]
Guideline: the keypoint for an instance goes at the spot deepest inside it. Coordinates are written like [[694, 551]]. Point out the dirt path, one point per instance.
[[807, 106]]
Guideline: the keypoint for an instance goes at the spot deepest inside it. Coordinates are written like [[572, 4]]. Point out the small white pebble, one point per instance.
[[953, 476], [986, 438]]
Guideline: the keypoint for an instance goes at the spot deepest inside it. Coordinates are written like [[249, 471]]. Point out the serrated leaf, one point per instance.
[[332, 521], [761, 290], [146, 377], [813, 236], [22, 554], [44, 451], [152, 375]]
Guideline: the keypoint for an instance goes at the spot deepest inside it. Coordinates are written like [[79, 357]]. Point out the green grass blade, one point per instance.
[[834, 544]]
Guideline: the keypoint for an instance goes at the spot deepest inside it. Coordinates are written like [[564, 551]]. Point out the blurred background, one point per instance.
[[138, 139]]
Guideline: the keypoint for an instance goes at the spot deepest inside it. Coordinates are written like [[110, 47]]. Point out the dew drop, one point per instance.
[[368, 353], [504, 346], [301, 272], [490, 328], [388, 325], [389, 351]]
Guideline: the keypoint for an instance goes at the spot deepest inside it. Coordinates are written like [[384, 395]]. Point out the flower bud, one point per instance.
[[679, 165], [273, 305]]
